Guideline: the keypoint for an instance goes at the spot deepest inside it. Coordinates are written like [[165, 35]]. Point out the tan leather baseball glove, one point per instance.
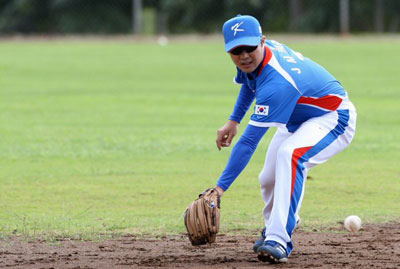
[[202, 218]]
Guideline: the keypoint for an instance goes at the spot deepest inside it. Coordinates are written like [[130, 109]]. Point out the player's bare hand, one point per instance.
[[226, 133]]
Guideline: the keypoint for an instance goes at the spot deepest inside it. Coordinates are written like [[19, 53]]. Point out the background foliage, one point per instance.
[[186, 16]]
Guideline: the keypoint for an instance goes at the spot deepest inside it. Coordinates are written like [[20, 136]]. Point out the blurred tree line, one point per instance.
[[188, 16]]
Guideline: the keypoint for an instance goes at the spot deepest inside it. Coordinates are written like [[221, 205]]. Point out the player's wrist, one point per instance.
[[233, 122], [235, 118], [219, 190]]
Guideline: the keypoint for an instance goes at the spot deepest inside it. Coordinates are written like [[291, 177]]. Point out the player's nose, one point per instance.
[[244, 54]]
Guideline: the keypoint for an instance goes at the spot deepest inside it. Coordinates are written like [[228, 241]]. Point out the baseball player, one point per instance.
[[314, 118]]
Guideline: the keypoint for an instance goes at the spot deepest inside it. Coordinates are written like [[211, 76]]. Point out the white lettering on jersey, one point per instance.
[[299, 55], [236, 28], [298, 70], [261, 110], [278, 46], [290, 59]]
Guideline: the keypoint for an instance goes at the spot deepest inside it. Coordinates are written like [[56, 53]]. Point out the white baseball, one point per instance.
[[352, 223], [162, 40]]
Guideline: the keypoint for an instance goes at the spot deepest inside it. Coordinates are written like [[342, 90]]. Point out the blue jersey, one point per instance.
[[289, 89]]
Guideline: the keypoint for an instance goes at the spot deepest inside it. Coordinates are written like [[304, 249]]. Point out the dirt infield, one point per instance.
[[375, 246]]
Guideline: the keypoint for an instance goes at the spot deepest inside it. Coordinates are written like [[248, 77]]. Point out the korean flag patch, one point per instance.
[[262, 110]]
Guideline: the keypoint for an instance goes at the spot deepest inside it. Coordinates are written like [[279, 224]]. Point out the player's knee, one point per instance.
[[285, 152], [266, 178]]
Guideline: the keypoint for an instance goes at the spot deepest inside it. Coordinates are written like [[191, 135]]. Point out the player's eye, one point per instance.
[[239, 50]]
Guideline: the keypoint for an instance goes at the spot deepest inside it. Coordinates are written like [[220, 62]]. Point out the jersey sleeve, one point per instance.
[[275, 103], [238, 79], [243, 102], [241, 155]]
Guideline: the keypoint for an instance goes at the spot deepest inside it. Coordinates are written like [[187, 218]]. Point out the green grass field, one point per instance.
[[117, 136]]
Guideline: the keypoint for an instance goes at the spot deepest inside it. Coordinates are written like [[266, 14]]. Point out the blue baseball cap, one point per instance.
[[241, 31]]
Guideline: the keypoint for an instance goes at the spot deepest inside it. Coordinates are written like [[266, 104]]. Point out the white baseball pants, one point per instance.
[[288, 160]]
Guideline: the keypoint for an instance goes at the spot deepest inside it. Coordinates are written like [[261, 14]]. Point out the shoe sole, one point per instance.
[[266, 257]]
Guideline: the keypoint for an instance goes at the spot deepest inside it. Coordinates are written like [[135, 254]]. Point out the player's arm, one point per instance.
[[243, 102], [240, 156], [226, 133]]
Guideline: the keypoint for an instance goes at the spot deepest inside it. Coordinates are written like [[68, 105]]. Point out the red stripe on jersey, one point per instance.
[[297, 154], [330, 102], [268, 56]]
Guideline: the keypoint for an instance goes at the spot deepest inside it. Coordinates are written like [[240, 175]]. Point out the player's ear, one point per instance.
[[263, 38]]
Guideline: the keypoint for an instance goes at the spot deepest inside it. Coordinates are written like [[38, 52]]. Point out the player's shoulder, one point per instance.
[[273, 80], [276, 77], [276, 46]]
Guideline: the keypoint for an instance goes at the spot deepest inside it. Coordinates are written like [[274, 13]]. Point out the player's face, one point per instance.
[[248, 58]]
